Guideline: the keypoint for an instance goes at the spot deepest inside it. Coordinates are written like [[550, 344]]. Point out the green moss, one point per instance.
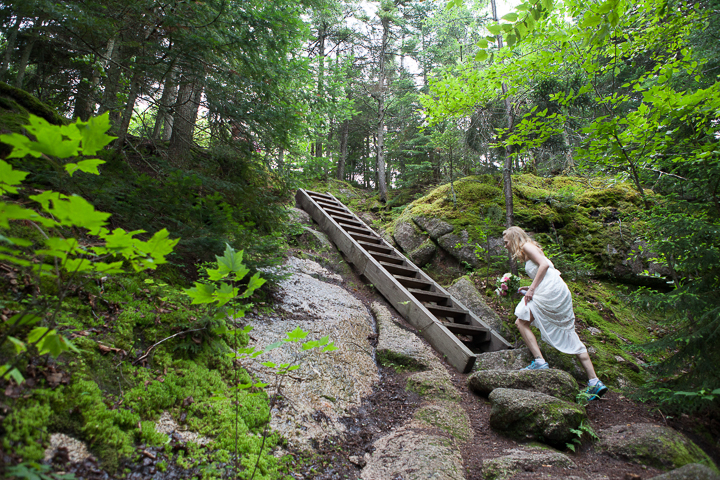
[[31, 104], [26, 430], [398, 361], [449, 417]]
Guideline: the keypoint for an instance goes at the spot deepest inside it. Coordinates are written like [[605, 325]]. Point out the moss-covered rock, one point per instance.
[[464, 291], [524, 415], [691, 471], [29, 103], [551, 382], [514, 359], [519, 460], [650, 444], [447, 416], [433, 384], [408, 236], [436, 228]]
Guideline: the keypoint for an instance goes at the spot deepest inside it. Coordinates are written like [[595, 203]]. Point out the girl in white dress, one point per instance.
[[547, 305]]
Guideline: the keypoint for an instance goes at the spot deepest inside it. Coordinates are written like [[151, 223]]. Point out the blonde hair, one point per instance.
[[517, 238]]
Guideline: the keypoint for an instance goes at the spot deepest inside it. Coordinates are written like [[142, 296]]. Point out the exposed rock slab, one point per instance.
[[551, 382], [328, 383], [448, 416], [407, 237], [457, 245], [412, 454], [399, 345], [691, 471], [519, 460], [504, 360], [297, 215], [524, 415], [435, 227], [468, 295], [650, 444], [314, 240]]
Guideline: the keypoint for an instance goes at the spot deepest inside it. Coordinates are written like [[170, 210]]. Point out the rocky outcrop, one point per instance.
[[299, 216], [407, 237], [503, 360], [448, 416], [691, 471], [458, 246], [550, 382], [433, 384], [417, 246], [423, 254], [649, 444], [468, 295], [314, 240], [435, 227], [520, 460], [524, 415], [412, 454]]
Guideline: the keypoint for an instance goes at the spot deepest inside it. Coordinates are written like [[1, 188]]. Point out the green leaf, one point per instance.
[[330, 347], [494, 28], [309, 345], [510, 17], [87, 166], [225, 293], [481, 56], [255, 283], [269, 364], [93, 133], [9, 178], [482, 43], [73, 211], [14, 374], [296, 335], [230, 262], [19, 345], [273, 346], [19, 319], [36, 334], [201, 293]]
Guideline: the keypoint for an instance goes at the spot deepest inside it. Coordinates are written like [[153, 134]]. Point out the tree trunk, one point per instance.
[[186, 110], [507, 164], [84, 106], [322, 33], [10, 47], [164, 119], [109, 102], [24, 59], [380, 144], [344, 131], [129, 109]]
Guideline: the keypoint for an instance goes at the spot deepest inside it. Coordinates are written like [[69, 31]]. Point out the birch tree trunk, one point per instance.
[[164, 120]]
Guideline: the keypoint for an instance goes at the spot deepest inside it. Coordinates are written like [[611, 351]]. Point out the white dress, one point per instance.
[[552, 311]]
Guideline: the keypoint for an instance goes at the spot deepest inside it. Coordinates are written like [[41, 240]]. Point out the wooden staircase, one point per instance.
[[423, 303]]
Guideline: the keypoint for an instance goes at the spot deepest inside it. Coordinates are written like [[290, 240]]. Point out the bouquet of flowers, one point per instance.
[[507, 283]]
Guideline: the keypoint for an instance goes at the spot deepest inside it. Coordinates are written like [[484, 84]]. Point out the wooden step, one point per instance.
[[429, 296], [460, 329], [375, 247], [412, 282], [365, 238], [399, 269], [460, 316], [358, 230], [316, 195], [331, 209], [339, 217], [351, 223], [394, 259]]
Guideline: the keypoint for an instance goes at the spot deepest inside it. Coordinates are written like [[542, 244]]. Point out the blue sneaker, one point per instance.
[[597, 391], [537, 366]]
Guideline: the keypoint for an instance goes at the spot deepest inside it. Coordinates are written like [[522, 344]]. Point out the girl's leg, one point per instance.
[[528, 337], [587, 365]]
